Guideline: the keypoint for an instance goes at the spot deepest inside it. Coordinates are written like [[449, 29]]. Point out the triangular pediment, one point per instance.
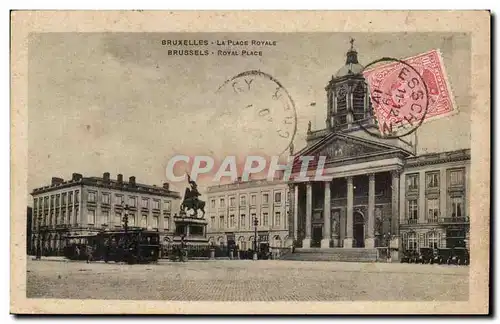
[[340, 147]]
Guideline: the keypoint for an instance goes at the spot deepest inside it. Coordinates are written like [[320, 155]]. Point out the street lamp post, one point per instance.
[[255, 223]]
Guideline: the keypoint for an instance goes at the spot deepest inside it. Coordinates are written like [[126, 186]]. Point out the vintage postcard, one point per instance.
[[250, 162]]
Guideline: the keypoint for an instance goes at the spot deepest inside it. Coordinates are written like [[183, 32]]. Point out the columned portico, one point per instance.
[[349, 213], [306, 242], [370, 239], [325, 242]]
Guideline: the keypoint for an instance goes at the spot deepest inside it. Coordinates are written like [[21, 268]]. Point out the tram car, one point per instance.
[[135, 245]]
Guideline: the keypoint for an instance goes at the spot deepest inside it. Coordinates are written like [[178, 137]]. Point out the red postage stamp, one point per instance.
[[399, 97]]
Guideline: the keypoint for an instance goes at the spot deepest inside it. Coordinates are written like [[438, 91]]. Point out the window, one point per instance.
[[222, 203], [64, 199], [265, 198], [277, 197], [432, 180], [144, 221], [57, 200], [265, 219], [243, 201], [412, 211], [118, 218], [77, 196], [232, 202], [132, 201], [457, 206], [254, 199], [166, 223], [212, 203], [243, 220], [46, 202], [91, 216], [221, 221], [155, 221], [40, 203], [231, 221], [52, 201], [56, 219], [131, 219], [145, 203], [91, 197], [432, 209], [105, 217], [433, 239], [156, 204], [411, 241], [77, 215], [70, 198], [212, 221], [254, 216], [105, 198], [70, 216], [63, 217], [277, 217], [118, 199], [412, 182], [167, 205], [456, 177]]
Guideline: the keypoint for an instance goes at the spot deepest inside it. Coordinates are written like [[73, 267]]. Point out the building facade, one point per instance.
[[375, 191], [66, 210], [232, 209]]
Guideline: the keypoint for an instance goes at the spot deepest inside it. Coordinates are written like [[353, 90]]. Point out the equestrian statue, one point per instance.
[[191, 200]]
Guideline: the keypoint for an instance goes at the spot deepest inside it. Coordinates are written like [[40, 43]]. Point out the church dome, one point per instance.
[[348, 69], [352, 65]]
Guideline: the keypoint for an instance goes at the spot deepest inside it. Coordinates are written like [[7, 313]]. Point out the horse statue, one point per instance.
[[191, 200]]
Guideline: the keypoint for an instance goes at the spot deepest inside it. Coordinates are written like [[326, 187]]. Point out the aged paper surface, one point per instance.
[[126, 127]]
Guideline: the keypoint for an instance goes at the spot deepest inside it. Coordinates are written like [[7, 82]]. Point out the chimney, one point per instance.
[[119, 178], [56, 180], [76, 176], [105, 176], [131, 181], [166, 185]]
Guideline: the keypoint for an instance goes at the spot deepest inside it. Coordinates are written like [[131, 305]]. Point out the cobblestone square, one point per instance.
[[248, 281]]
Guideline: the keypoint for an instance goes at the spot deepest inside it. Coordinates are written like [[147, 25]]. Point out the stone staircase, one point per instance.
[[332, 254]]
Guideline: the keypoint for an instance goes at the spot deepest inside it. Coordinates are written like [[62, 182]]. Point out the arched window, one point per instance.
[[433, 239], [250, 242], [358, 101], [242, 244], [411, 241]]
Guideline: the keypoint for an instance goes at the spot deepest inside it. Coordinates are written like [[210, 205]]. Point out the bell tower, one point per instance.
[[348, 101]]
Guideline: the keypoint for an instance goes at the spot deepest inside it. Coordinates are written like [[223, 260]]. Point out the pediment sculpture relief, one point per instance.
[[341, 149]]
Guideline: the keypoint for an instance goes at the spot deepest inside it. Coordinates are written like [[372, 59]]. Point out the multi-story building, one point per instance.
[[434, 194], [375, 192], [84, 205], [232, 209]]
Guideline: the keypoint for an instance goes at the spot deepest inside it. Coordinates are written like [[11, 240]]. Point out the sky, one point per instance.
[[118, 103]]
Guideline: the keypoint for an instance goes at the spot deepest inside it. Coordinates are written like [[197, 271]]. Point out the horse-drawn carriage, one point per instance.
[[457, 256]]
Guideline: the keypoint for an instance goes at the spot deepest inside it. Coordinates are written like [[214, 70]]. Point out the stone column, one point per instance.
[[295, 211], [395, 213], [306, 243], [349, 213], [325, 242], [370, 240]]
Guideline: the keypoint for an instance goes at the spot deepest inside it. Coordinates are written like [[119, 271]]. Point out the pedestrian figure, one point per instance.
[[90, 256]]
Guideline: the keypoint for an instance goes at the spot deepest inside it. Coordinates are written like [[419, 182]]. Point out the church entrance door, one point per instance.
[[317, 235], [358, 230]]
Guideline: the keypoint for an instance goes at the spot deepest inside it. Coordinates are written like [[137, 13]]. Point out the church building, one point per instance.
[[377, 191]]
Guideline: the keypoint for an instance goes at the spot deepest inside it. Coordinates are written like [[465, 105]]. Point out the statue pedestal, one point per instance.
[[190, 230]]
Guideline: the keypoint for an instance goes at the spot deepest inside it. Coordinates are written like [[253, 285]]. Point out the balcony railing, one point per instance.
[[454, 220], [442, 220]]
